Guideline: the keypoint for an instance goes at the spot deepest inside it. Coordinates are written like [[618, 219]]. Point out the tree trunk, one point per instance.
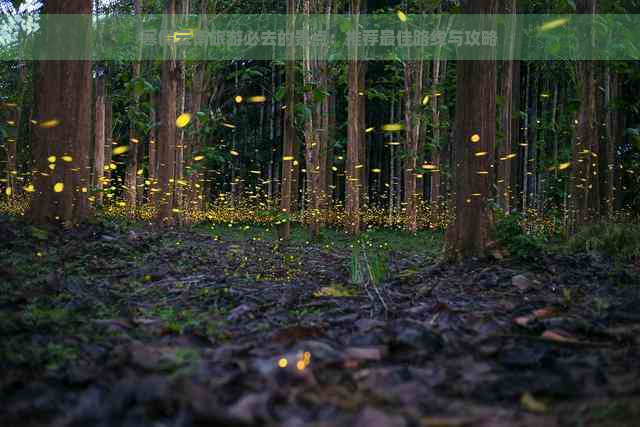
[[469, 234], [614, 138], [284, 228], [354, 131], [586, 140], [413, 93], [167, 131], [100, 138], [63, 114], [506, 122], [131, 170]]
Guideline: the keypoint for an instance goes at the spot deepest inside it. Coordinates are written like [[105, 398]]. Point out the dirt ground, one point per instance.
[[123, 325]]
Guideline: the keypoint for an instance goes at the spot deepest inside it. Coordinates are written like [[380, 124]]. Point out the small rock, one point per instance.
[[239, 312], [374, 417], [251, 408], [521, 282], [367, 324], [365, 353]]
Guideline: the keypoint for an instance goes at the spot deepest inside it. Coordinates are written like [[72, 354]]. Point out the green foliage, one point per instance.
[[620, 241], [512, 236]]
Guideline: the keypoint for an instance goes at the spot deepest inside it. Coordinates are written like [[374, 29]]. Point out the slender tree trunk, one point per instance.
[[413, 93], [153, 150], [15, 117], [100, 139], [131, 169], [166, 143], [506, 123], [284, 228], [354, 131], [469, 235], [586, 140], [435, 122], [614, 129]]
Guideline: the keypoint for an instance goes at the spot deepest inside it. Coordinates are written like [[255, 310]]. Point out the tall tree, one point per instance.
[[166, 143], [475, 132], [135, 141], [61, 139], [584, 201], [284, 228], [312, 128], [510, 72], [354, 132], [413, 92], [99, 135]]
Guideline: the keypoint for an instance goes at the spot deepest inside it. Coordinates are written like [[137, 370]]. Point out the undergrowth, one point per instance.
[[618, 240]]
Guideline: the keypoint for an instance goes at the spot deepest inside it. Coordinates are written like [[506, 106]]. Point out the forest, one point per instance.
[[436, 232]]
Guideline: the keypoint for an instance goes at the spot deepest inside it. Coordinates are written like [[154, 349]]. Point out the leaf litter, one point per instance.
[[114, 325]]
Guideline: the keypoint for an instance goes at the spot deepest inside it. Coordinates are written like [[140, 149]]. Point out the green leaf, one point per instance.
[[138, 87], [280, 94]]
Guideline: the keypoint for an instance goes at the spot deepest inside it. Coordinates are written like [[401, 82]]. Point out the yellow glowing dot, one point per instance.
[[283, 363], [229, 125], [401, 16], [84, 189], [393, 127], [67, 159], [120, 150], [563, 166], [429, 166], [198, 158], [376, 170], [140, 172], [113, 166], [47, 124], [234, 153], [134, 140], [482, 172], [425, 100], [480, 153], [7, 191], [368, 130], [475, 137], [29, 188], [300, 365], [183, 120], [58, 187], [51, 159], [257, 99], [306, 357], [238, 99]]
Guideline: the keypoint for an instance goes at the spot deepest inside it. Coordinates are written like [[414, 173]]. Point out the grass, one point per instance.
[[424, 242]]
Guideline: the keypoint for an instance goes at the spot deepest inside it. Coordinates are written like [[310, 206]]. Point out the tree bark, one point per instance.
[[585, 144], [413, 93], [135, 141], [354, 131], [284, 227], [469, 234], [506, 122], [99, 139], [166, 143], [63, 114]]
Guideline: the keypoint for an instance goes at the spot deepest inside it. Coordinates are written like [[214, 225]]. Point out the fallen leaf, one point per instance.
[[530, 403]]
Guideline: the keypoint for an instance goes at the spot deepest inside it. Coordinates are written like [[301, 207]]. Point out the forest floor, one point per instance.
[[122, 325]]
